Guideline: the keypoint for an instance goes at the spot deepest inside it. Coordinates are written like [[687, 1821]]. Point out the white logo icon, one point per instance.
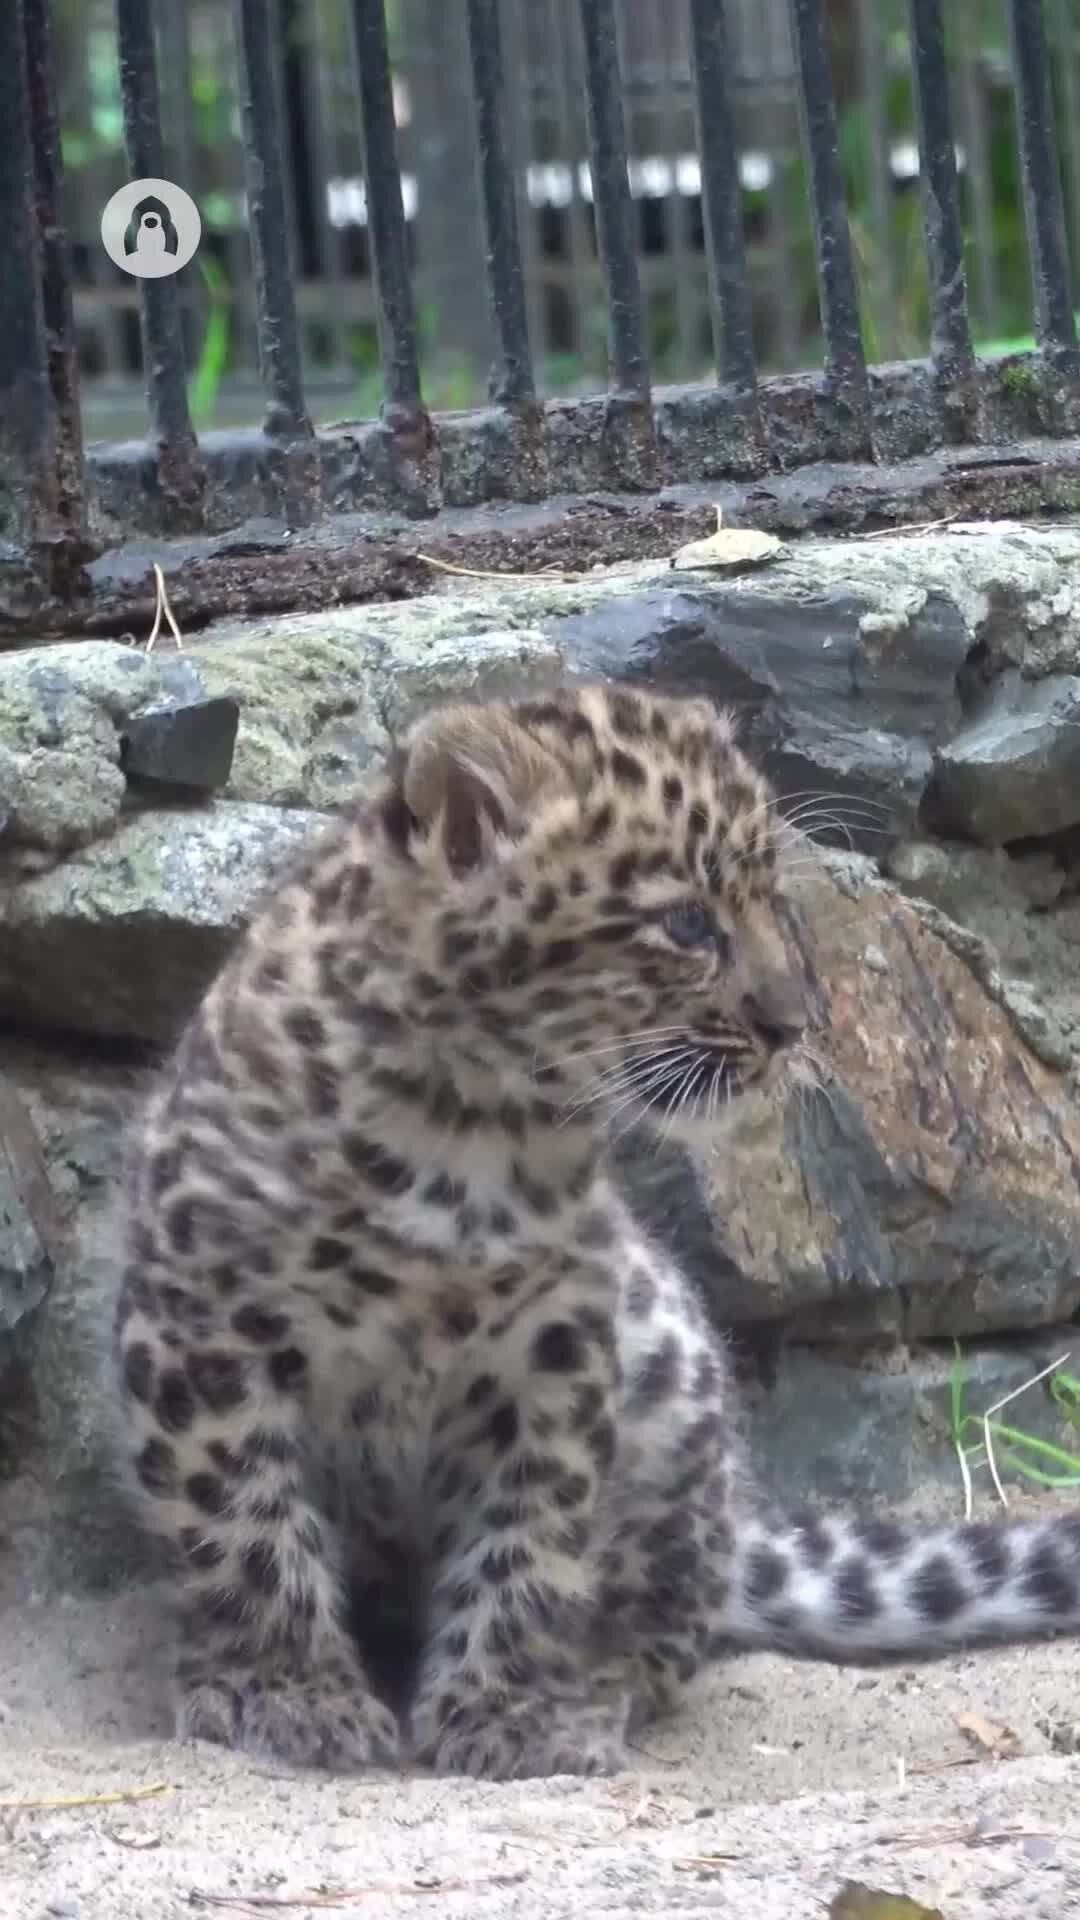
[[151, 228]]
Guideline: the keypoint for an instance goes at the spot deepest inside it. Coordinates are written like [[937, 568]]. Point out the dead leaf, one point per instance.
[[134, 1841], [729, 549], [856, 1902], [1063, 1735], [998, 1741]]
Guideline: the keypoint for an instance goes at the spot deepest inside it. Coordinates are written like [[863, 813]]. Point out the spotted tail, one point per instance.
[[850, 1590]]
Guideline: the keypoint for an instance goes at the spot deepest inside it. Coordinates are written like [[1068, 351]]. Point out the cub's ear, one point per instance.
[[469, 773]]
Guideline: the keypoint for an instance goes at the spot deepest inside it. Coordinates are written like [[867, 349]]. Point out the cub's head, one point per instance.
[[589, 881]]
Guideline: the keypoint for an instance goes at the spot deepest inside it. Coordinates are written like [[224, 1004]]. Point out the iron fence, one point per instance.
[[58, 505]]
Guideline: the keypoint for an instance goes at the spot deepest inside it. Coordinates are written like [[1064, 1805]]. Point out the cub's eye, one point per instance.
[[689, 925]]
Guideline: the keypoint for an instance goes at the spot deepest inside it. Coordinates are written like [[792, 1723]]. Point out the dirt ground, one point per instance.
[[783, 1783]]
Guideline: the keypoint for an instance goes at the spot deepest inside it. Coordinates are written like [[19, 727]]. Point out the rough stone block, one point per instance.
[[1014, 774], [182, 746], [30, 1233], [918, 1181], [121, 941]]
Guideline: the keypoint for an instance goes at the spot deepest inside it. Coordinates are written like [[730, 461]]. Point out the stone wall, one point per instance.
[[924, 1188]]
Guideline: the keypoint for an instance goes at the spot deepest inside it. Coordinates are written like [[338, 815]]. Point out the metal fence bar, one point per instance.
[[403, 408], [1055, 327], [520, 135], [180, 470], [950, 327], [882, 266], [776, 95], [275, 305], [612, 202], [687, 303], [281, 56], [512, 379], [845, 362], [55, 269], [1066, 32], [573, 139], [326, 240], [178, 133], [974, 132], [721, 196]]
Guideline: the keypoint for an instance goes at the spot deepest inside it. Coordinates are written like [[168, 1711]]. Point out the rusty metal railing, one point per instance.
[[631, 435]]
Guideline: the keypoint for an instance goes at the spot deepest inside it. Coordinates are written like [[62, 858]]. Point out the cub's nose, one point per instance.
[[776, 1010]]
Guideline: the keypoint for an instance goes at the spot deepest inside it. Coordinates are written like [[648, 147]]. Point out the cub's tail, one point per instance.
[[850, 1590]]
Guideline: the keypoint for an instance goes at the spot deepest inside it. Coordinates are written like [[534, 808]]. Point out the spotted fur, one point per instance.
[[408, 1394]]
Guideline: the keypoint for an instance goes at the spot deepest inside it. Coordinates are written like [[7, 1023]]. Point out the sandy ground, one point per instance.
[[783, 1783]]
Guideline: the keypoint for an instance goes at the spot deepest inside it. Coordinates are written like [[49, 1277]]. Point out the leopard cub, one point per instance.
[[442, 1448]]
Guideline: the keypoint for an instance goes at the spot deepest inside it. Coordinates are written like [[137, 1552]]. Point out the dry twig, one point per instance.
[[967, 1833], [552, 574], [163, 608], [944, 1766], [965, 1475], [1005, 1401], [705, 1862], [342, 1895], [117, 1799], [921, 526]]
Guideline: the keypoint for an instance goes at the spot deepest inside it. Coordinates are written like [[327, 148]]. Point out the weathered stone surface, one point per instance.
[[319, 702], [71, 726], [830, 693], [77, 1528], [121, 941], [1014, 774], [310, 725], [64, 692], [60, 707], [308, 731], [30, 1236], [958, 877], [323, 697], [929, 1186], [188, 745], [876, 1429], [846, 659], [484, 665], [58, 798], [990, 908]]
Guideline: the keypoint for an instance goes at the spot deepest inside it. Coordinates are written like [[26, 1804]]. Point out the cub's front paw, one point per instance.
[[320, 1716], [531, 1740]]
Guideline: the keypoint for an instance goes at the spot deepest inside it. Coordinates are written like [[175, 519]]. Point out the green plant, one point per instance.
[[1025, 343], [1065, 1392], [205, 382], [1017, 1449]]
